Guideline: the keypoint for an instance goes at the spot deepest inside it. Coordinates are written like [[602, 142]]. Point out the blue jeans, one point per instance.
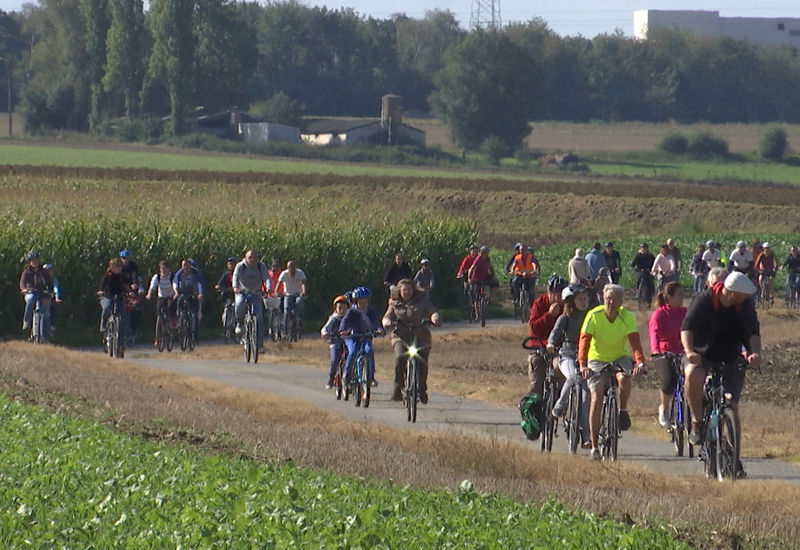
[[30, 305], [529, 283], [240, 308], [699, 283], [293, 303], [352, 346], [336, 353], [106, 304]]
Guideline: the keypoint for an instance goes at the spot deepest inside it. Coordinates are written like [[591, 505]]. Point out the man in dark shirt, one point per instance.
[[398, 271], [720, 321], [613, 262], [642, 265]]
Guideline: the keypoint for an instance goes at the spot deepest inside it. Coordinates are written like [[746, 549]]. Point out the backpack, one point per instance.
[[532, 410]]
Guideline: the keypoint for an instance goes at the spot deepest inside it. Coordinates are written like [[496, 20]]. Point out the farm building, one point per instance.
[[761, 31], [268, 132], [387, 129], [220, 123]]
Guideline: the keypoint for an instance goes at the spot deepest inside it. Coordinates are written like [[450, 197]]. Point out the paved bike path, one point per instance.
[[444, 413]]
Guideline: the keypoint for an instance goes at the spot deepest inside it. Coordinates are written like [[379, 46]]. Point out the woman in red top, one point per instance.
[[665, 336]]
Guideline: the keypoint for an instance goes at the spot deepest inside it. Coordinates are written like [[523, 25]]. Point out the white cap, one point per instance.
[[710, 243], [765, 245], [739, 282], [740, 244]]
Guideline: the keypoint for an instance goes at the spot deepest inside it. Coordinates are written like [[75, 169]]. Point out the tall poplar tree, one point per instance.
[[124, 71]]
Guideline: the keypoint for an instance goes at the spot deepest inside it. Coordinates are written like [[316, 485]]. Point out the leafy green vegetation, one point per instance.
[[67, 482]]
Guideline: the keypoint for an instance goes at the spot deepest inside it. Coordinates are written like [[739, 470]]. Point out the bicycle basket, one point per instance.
[[531, 408]]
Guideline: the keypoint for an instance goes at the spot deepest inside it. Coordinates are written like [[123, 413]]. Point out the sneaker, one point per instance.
[[594, 454], [586, 445], [558, 409], [26, 325], [373, 383], [423, 398], [696, 437], [624, 420], [329, 385], [238, 329], [662, 417]]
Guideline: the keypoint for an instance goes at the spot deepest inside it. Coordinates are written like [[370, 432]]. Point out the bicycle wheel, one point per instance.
[[116, 342], [361, 366], [550, 420], [192, 328], [246, 340], [120, 337], [160, 342], [183, 329], [676, 425], [572, 419], [525, 306], [108, 338], [37, 329], [687, 424], [228, 325], [613, 428], [484, 310], [253, 334], [408, 393], [338, 380], [414, 399], [727, 444]]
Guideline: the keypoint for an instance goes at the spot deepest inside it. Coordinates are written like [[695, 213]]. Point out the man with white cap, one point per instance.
[[720, 321], [712, 255]]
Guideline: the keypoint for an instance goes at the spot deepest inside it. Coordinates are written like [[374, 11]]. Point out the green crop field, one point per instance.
[[695, 170], [72, 483]]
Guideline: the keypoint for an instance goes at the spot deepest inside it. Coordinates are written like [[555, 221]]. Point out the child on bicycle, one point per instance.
[[665, 336], [331, 332], [360, 318], [567, 331]]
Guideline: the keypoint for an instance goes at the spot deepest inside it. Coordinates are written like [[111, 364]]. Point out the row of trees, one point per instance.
[[79, 63]]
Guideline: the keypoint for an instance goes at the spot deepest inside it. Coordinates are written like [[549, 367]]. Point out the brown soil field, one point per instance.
[[618, 136], [217, 419]]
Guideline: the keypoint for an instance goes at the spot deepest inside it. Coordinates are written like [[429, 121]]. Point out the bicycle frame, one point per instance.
[[721, 464], [40, 327], [361, 380], [609, 434]]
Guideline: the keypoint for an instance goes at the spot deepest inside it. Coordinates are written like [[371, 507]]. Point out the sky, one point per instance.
[[581, 17]]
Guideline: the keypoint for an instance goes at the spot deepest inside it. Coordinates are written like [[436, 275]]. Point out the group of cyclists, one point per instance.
[[174, 292]]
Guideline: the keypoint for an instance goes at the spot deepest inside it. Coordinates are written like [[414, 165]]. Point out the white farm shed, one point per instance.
[[268, 132], [351, 132]]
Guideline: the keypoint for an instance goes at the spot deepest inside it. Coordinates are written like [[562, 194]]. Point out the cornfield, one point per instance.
[[86, 223]]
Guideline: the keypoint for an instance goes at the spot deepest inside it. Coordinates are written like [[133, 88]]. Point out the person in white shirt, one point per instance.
[[161, 286], [292, 286], [664, 267], [741, 258], [712, 255]]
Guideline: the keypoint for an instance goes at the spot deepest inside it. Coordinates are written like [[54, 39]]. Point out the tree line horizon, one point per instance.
[[78, 64]]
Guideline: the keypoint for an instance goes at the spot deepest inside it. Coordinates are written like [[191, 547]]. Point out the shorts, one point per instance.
[[732, 379], [599, 377]]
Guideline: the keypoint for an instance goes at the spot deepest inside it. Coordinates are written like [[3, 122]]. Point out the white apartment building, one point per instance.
[[761, 31]]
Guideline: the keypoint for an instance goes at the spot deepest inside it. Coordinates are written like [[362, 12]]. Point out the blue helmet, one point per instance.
[[361, 292], [125, 253], [556, 284]]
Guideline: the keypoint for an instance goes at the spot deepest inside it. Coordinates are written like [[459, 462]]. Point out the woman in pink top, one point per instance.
[[665, 336], [664, 267]]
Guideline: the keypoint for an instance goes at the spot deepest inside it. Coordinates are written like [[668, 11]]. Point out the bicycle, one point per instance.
[[40, 328], [338, 376], [187, 323], [610, 434], [721, 446], [765, 294], [115, 333], [272, 317], [680, 425], [359, 383], [163, 330], [791, 294], [480, 303], [550, 394], [523, 302], [644, 294], [468, 303], [228, 317], [250, 333], [572, 417], [291, 324], [411, 391]]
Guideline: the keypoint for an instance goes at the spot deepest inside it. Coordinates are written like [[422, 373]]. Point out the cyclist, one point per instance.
[[712, 256], [741, 259], [792, 266], [33, 282], [578, 269], [189, 288], [293, 289], [225, 283], [766, 266], [608, 335], [56, 287], [130, 270], [248, 276], [567, 331], [642, 265], [424, 277], [274, 273], [482, 273], [409, 306], [756, 248], [595, 260], [665, 336], [114, 286], [526, 270], [397, 271], [360, 318], [699, 269], [466, 263], [331, 332], [161, 287], [718, 324], [664, 267], [510, 262], [676, 255], [545, 311], [613, 262]]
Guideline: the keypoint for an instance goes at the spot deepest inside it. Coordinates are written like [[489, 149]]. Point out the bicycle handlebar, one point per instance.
[[357, 335], [542, 350]]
